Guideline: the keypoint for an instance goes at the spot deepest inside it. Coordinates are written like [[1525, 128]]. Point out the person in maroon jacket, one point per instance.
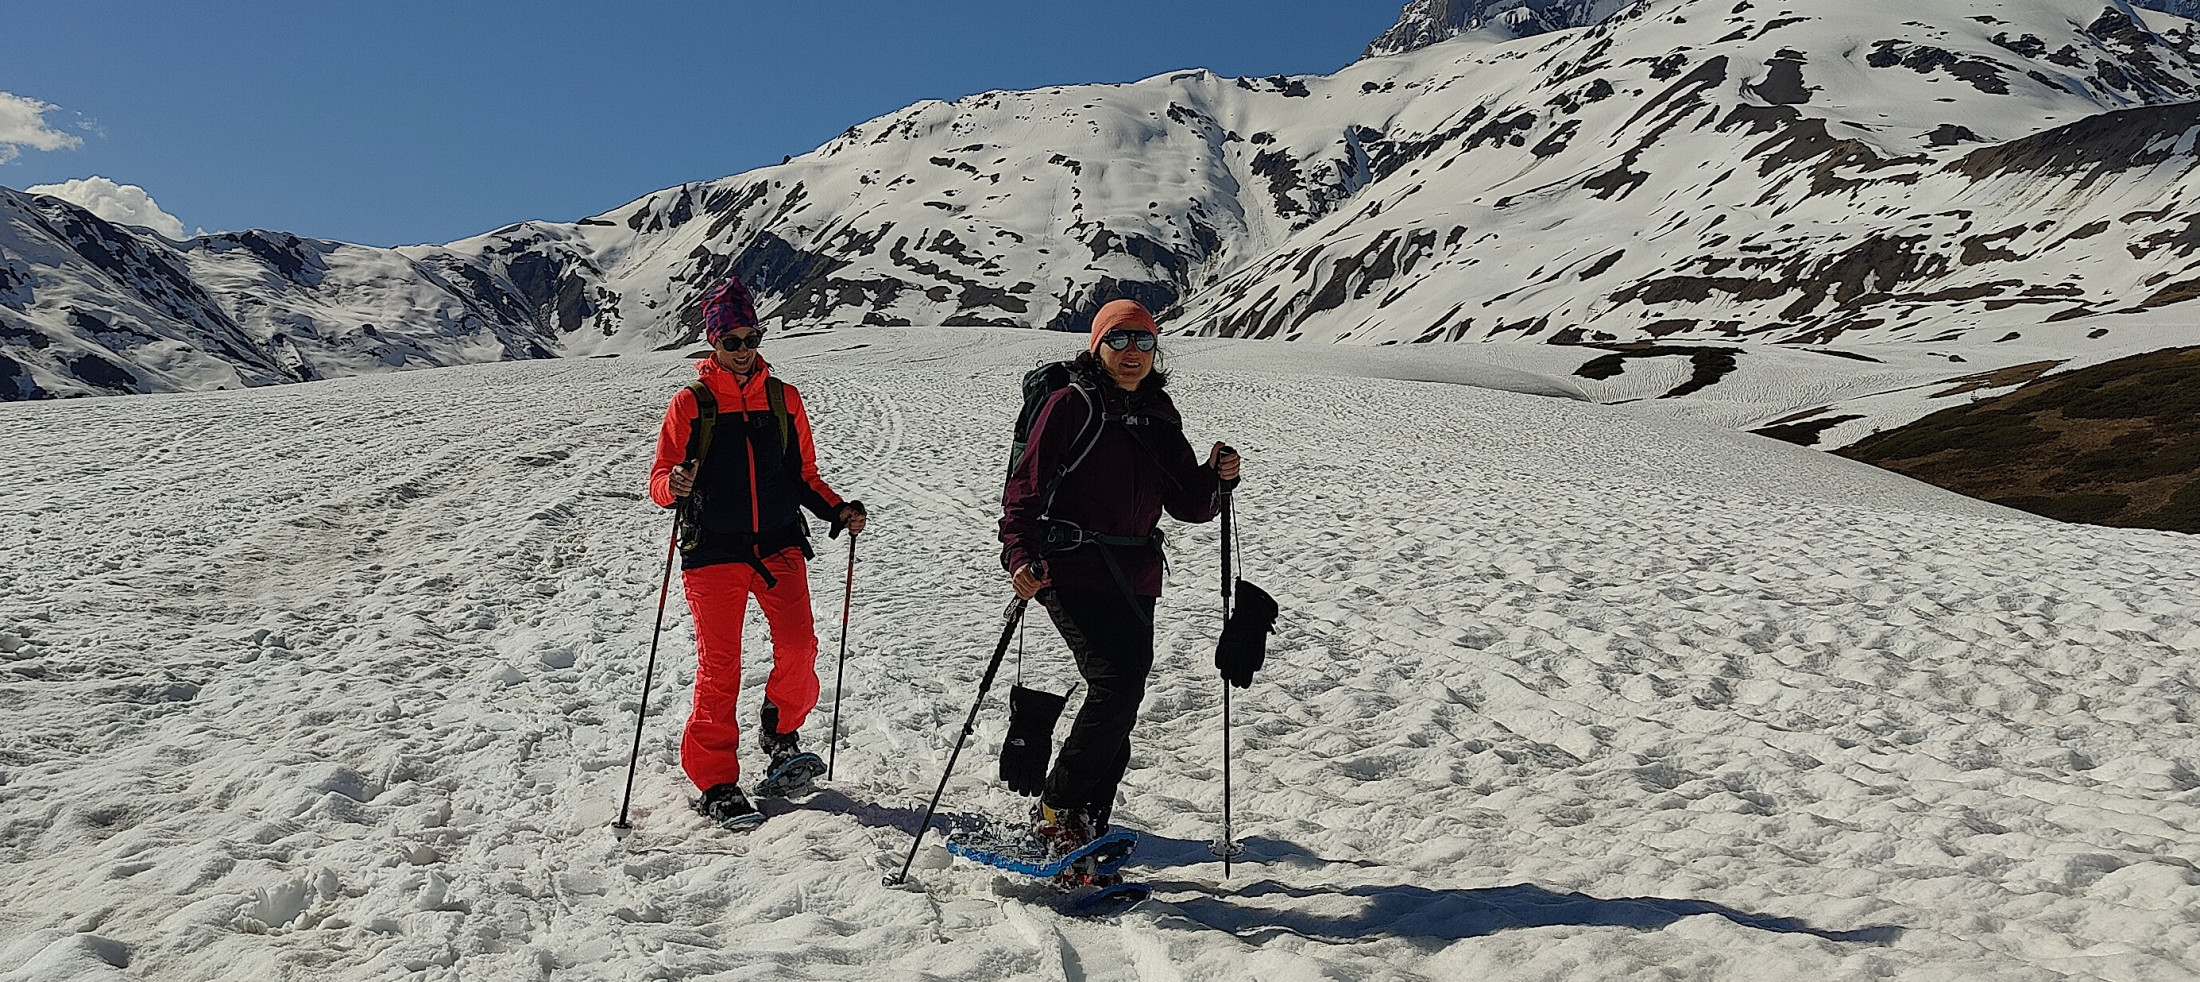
[[1080, 532], [742, 535]]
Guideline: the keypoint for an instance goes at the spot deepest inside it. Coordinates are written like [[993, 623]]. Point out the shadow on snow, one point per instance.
[[1358, 914], [1430, 916], [901, 819]]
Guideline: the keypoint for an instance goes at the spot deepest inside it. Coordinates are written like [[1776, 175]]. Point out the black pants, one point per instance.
[[1111, 636]]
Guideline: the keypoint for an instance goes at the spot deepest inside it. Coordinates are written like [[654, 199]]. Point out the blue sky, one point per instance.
[[396, 121]]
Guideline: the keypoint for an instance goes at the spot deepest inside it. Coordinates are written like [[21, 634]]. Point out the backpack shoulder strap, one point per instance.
[[1087, 438], [1095, 417], [775, 396], [706, 419]]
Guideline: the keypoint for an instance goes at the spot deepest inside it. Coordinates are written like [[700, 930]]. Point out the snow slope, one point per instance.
[[338, 680], [1797, 172]]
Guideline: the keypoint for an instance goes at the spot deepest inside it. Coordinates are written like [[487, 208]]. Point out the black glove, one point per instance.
[[1030, 744], [1244, 644], [1230, 484], [838, 524]]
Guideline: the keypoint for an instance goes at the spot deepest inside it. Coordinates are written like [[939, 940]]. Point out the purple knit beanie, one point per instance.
[[726, 308]]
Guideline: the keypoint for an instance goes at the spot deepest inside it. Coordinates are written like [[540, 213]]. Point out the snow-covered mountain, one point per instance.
[[89, 307], [1685, 171], [1798, 176], [1426, 22]]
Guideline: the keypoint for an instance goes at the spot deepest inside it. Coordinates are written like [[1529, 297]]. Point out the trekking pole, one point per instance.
[[1009, 620], [664, 588], [1226, 845], [840, 674]]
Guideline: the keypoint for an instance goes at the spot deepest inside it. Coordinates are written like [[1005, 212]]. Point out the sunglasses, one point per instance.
[[1119, 340], [736, 342]]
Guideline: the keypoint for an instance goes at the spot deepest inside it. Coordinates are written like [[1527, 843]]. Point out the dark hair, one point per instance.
[[1087, 365]]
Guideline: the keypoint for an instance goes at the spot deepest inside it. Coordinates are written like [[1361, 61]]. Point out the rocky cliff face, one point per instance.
[[1426, 22]]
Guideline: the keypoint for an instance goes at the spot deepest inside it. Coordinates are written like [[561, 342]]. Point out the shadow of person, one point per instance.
[[902, 819], [1267, 910], [1157, 851]]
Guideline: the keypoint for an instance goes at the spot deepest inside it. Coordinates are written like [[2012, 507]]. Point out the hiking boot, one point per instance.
[[727, 806], [1063, 830], [780, 747], [794, 771]]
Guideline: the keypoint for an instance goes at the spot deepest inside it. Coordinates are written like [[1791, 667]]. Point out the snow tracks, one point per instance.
[[338, 679]]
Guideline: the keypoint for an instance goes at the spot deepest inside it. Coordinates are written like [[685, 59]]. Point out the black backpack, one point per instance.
[[1040, 384], [699, 437], [706, 417]]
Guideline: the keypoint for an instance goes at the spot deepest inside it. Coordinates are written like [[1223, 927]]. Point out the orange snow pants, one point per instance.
[[718, 597]]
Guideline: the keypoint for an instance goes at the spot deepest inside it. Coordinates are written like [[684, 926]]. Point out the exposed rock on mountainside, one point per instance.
[[89, 307], [1680, 171], [1426, 22], [1688, 172]]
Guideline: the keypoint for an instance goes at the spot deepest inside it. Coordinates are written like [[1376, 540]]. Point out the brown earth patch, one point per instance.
[[2115, 444], [1999, 378]]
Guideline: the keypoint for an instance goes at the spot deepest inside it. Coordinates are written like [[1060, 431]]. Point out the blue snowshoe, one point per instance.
[[1092, 873], [795, 775]]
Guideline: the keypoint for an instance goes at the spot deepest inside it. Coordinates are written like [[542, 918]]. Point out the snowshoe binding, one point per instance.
[[725, 805], [794, 771], [795, 774], [1063, 830]]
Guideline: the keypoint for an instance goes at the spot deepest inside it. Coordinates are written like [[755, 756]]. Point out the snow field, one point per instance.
[[338, 680]]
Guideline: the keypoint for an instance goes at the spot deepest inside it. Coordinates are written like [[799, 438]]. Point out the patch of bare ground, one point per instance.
[[1998, 379], [2115, 444]]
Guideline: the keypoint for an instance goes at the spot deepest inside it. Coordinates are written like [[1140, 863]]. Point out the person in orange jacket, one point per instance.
[[740, 482]]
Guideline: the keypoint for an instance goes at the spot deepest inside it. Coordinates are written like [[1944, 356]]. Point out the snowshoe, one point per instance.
[[1101, 857], [793, 771], [725, 805], [1111, 899], [792, 775]]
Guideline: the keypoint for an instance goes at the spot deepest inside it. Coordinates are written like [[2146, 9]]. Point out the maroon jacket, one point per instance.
[[1140, 465]]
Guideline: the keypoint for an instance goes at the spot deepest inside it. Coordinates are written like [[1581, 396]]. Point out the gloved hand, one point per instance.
[[1224, 459], [1030, 744], [851, 516], [1244, 644]]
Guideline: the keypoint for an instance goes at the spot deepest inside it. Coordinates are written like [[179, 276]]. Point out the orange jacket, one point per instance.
[[739, 474]]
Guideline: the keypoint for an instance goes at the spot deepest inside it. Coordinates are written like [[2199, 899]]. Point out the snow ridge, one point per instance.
[[1426, 22], [1682, 170]]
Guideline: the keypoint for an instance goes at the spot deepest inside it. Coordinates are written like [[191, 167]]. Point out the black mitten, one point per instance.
[[838, 524], [1030, 744], [1244, 644]]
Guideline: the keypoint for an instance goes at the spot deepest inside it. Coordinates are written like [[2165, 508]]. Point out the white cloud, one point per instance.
[[123, 204], [23, 124]]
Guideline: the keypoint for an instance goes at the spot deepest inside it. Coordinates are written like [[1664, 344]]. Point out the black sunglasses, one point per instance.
[[1119, 340], [736, 342]]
